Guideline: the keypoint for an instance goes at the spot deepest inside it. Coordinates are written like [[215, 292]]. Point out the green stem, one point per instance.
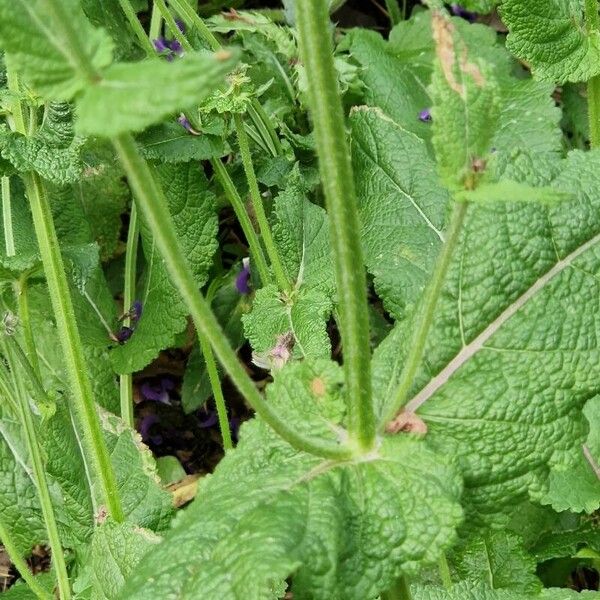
[[256, 252], [172, 26], [155, 23], [425, 318], [17, 560], [151, 202], [400, 591], [14, 351], [338, 182], [265, 125], [9, 240], [16, 109], [217, 390], [592, 22], [81, 390], [190, 17], [22, 292], [131, 252], [394, 11], [135, 24], [444, 570], [257, 205]]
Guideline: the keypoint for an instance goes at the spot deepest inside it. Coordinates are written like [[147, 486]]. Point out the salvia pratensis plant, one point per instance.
[[378, 247]]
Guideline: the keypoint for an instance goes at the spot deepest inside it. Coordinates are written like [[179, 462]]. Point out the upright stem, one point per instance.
[[336, 173], [22, 292], [9, 240], [592, 22], [189, 15], [131, 252], [155, 23], [15, 557], [14, 354], [152, 204], [425, 318], [257, 205], [135, 24], [400, 591], [81, 390], [170, 22], [256, 251], [393, 9]]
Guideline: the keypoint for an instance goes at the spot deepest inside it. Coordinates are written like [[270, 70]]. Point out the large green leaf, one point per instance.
[[28, 33], [132, 96], [550, 35], [511, 357], [164, 314], [344, 530]]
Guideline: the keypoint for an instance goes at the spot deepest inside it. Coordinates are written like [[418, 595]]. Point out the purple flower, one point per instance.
[[176, 47], [134, 313], [425, 115], [458, 11], [180, 25], [146, 425], [158, 393], [185, 123], [161, 45], [210, 421], [242, 281], [167, 48], [123, 334]]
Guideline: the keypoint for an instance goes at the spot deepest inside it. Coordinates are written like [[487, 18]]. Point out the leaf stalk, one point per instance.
[[592, 22]]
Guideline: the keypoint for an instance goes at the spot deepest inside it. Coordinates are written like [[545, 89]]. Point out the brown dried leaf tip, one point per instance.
[[443, 35], [317, 387], [407, 422]]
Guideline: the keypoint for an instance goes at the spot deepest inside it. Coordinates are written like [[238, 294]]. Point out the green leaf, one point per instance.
[[169, 469], [171, 143], [520, 288], [132, 96], [345, 530], [21, 591], [500, 560], [506, 190], [164, 314], [550, 36], [27, 34], [402, 207], [466, 107], [54, 151], [116, 551], [560, 544]]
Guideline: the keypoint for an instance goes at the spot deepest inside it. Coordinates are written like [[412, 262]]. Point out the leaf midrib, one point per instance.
[[468, 351]]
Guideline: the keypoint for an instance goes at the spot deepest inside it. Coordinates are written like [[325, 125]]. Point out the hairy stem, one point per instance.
[[256, 251], [155, 23], [17, 560], [131, 252], [81, 390], [15, 354], [425, 318], [151, 202], [400, 591], [9, 240], [257, 205], [592, 22], [338, 181], [190, 17], [136, 26], [22, 293]]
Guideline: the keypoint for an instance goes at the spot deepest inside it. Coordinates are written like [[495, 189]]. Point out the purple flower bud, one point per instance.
[[175, 46], [123, 334], [425, 115], [180, 25], [210, 421], [458, 11], [161, 45], [136, 311], [185, 123], [157, 393], [242, 281]]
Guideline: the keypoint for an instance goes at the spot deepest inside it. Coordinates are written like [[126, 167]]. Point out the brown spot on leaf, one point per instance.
[[101, 515], [317, 387], [407, 422]]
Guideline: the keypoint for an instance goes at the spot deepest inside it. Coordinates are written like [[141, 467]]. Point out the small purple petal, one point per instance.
[[180, 25], [185, 123], [161, 45], [175, 46], [210, 421], [425, 115], [123, 334], [458, 11], [242, 281], [146, 425], [136, 311], [150, 392]]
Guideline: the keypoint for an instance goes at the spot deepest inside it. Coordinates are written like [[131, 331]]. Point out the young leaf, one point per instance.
[[402, 207], [561, 544], [522, 285], [132, 96], [164, 314], [551, 37], [27, 34]]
